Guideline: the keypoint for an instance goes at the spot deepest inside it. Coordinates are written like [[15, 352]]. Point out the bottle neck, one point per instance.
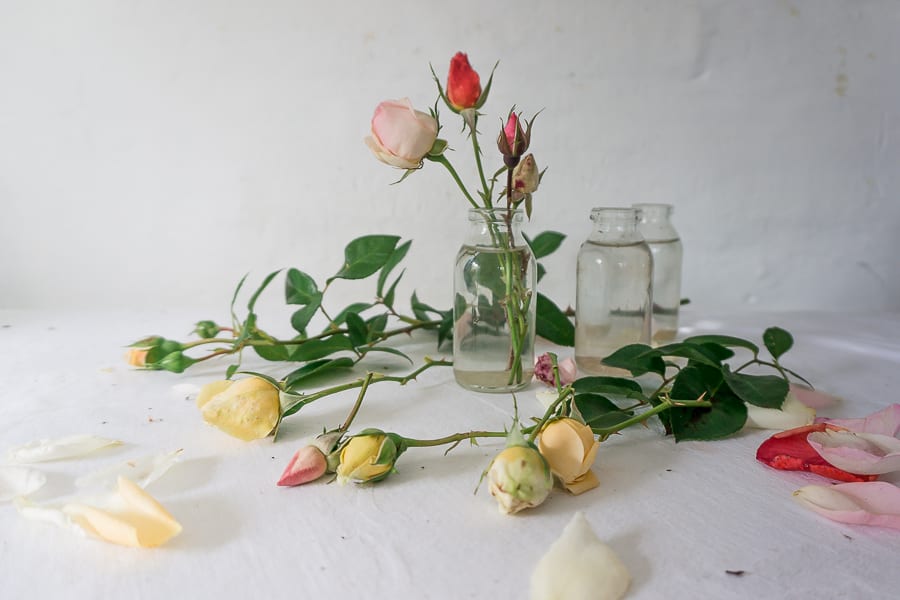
[[615, 224], [495, 227], [654, 222]]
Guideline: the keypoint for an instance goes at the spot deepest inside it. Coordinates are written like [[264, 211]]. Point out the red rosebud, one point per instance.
[[463, 83], [513, 141], [790, 451]]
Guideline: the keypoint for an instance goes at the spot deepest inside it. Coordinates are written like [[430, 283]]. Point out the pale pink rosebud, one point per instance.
[[308, 464], [543, 370], [526, 176]]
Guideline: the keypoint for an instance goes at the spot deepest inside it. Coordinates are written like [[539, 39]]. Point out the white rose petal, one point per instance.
[[19, 481], [67, 447], [578, 566], [792, 413], [142, 471]]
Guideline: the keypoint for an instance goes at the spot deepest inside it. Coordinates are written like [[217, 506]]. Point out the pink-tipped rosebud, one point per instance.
[[307, 464]]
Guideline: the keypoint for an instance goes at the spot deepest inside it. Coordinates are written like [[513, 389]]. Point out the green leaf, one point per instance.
[[300, 288], [723, 340], [599, 411], [356, 307], [375, 326], [552, 323], [777, 341], [313, 349], [545, 243], [260, 289], [541, 271], [365, 255], [388, 297], [726, 416], [357, 330], [273, 353], [707, 354], [234, 296], [315, 368], [272, 381], [767, 391], [386, 350], [637, 359], [616, 386], [231, 370], [301, 318], [445, 329], [396, 256]]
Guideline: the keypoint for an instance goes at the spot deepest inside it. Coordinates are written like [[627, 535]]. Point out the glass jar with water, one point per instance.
[[655, 225], [614, 284]]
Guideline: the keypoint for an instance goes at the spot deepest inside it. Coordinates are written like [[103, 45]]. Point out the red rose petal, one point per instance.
[[789, 451]]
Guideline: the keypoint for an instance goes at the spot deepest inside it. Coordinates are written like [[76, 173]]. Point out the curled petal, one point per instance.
[[883, 422], [792, 413], [19, 482], [873, 503], [863, 453], [579, 566], [790, 451], [60, 448], [142, 471], [139, 520]]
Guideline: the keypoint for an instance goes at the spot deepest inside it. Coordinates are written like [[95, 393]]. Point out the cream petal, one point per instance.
[[19, 481], [140, 522], [792, 413], [883, 422], [871, 503], [47, 514], [860, 453], [60, 448], [143, 471], [582, 484], [578, 566]]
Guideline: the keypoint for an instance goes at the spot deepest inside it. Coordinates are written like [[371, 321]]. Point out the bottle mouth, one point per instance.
[[653, 209], [606, 213], [499, 214]]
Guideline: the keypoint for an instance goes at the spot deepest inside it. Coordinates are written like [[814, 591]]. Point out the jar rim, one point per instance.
[[654, 207], [496, 212], [615, 211]]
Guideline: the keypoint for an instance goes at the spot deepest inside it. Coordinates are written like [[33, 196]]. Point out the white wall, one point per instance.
[[151, 153]]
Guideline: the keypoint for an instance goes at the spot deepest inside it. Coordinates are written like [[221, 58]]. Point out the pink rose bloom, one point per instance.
[[401, 136], [543, 370]]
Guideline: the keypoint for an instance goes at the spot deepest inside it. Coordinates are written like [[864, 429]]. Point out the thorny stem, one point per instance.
[[362, 394], [450, 439], [666, 404], [303, 400]]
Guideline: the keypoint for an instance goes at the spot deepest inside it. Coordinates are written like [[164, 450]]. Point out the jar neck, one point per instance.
[[654, 222], [495, 227], [615, 223]]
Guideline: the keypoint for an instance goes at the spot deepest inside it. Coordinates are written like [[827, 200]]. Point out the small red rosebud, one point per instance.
[[513, 141], [463, 83], [308, 464]]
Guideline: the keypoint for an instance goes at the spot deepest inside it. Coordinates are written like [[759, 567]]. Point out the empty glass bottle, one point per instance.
[[613, 289], [494, 304], [654, 223]]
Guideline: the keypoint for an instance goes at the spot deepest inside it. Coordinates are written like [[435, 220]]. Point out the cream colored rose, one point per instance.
[[570, 448], [367, 458], [247, 409], [519, 479], [401, 136]]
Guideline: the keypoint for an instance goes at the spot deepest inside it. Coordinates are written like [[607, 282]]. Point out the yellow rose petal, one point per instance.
[[247, 409], [142, 522], [209, 390], [581, 484]]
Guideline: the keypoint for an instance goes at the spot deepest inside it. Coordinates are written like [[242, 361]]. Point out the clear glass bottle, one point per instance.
[[655, 224], [494, 306], [614, 286]]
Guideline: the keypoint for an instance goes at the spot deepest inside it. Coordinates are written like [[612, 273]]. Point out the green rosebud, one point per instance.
[[206, 329], [176, 362]]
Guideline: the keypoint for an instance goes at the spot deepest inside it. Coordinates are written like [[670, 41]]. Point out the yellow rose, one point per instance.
[[570, 448], [367, 457], [137, 357], [247, 409], [519, 478]]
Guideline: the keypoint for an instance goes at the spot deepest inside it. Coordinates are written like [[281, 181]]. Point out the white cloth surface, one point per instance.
[[679, 515]]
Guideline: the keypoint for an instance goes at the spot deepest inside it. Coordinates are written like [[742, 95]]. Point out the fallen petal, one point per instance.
[[790, 451], [142, 471], [812, 398], [792, 413], [873, 503], [67, 447], [139, 520], [47, 514], [863, 453], [883, 422], [19, 481], [578, 566]]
